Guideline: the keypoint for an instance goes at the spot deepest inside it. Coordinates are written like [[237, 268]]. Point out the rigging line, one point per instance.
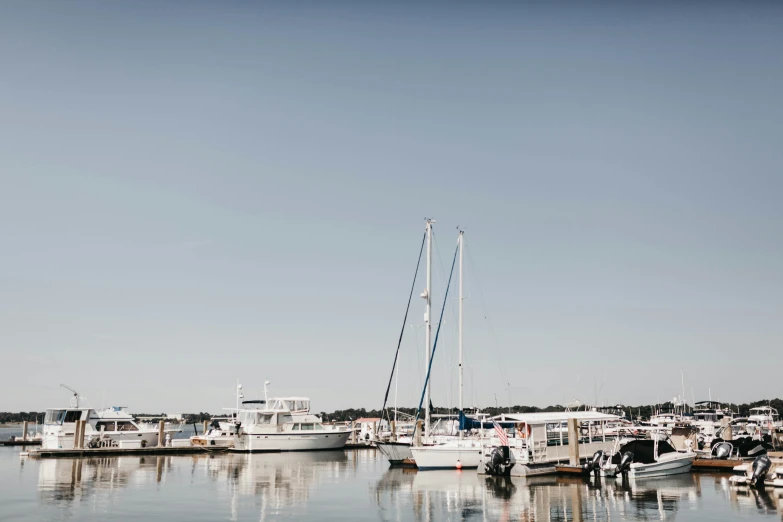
[[490, 326], [404, 321], [435, 344]]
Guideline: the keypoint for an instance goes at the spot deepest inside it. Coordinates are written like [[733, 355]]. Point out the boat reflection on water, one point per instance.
[[446, 495], [278, 480], [76, 479], [745, 499]]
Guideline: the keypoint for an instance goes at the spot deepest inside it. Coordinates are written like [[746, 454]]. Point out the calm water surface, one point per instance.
[[344, 485]]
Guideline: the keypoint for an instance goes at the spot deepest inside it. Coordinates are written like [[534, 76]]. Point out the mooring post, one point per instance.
[[573, 442], [160, 433], [206, 423], [76, 427], [726, 434], [419, 427], [394, 430], [81, 433], [353, 432], [24, 430]]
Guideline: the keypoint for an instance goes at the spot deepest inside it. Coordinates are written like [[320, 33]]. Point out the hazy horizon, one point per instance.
[[195, 193]]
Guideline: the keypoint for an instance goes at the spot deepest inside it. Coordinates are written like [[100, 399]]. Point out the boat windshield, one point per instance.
[[61, 416], [254, 417]]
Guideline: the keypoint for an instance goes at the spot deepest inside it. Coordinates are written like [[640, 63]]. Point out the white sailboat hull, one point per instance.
[[271, 442], [396, 452], [446, 456]]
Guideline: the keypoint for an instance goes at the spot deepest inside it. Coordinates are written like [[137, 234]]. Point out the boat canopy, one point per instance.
[[643, 451], [549, 417], [467, 423]]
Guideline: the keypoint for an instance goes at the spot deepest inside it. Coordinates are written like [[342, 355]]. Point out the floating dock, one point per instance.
[[20, 442], [121, 452], [361, 445], [565, 469], [164, 450], [710, 464]]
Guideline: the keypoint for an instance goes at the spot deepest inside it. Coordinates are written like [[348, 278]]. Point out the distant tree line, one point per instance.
[[8, 417], [632, 412]]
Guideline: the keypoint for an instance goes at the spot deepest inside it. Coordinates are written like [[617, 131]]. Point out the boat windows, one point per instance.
[[70, 416], [295, 427], [308, 427], [106, 425], [54, 416], [126, 426]]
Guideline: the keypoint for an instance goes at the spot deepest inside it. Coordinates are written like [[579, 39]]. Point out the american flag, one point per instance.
[[501, 434]]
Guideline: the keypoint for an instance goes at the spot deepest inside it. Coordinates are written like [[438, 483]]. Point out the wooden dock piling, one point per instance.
[[82, 429], [161, 424], [78, 436], [24, 430], [573, 442]]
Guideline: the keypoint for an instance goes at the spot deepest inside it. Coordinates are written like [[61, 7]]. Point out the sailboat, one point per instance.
[[451, 453], [398, 452]]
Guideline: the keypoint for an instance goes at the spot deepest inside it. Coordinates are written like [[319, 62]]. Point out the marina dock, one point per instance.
[[121, 452], [11, 442]]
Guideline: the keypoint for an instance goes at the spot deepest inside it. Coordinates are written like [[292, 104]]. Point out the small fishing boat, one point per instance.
[[220, 434], [654, 457]]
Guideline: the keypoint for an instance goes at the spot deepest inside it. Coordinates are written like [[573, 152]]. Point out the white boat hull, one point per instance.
[[674, 465], [396, 452], [328, 440], [664, 468], [446, 456]]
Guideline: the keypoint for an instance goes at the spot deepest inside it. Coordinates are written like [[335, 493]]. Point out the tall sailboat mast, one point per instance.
[[427, 295], [461, 249]]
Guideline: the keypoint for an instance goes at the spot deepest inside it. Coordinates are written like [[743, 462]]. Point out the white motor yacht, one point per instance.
[[763, 419], [283, 424], [109, 427]]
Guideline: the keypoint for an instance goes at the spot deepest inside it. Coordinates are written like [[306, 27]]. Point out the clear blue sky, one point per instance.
[[194, 192]]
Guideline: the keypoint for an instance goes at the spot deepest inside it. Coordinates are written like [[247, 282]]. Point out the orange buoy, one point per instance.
[[459, 465]]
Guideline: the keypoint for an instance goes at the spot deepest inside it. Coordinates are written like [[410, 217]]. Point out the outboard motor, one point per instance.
[[499, 462], [625, 462], [596, 462], [760, 468], [722, 451]]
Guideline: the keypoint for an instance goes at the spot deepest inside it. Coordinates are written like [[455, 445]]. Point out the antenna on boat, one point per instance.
[[266, 383], [239, 395], [75, 399]]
